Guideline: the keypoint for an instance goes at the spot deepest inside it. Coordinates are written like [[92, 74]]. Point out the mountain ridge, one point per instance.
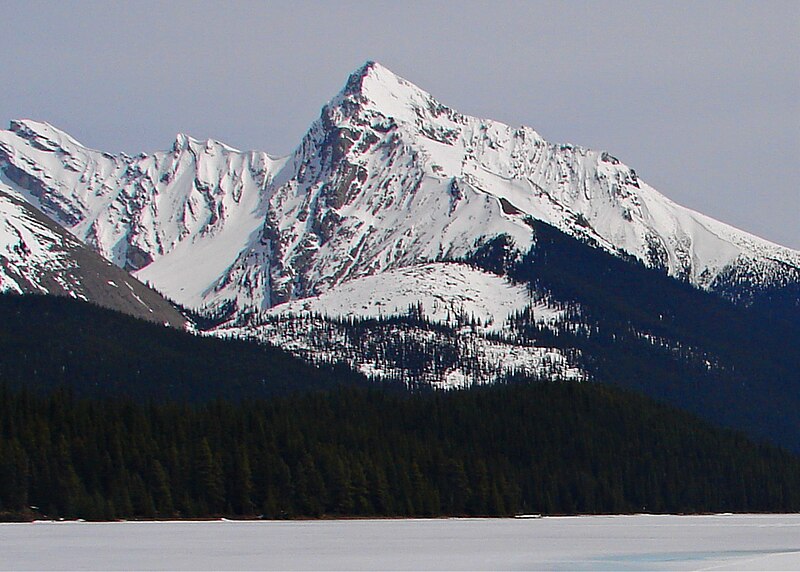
[[386, 177]]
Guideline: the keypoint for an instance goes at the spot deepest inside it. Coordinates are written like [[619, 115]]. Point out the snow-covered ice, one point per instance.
[[642, 542]]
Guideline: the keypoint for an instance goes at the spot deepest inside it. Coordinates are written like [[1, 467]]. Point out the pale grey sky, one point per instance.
[[701, 98]]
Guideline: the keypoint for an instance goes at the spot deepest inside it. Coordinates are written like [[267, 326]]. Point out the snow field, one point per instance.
[[641, 542]]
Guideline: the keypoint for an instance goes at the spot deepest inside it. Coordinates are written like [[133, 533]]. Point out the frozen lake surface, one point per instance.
[[642, 542]]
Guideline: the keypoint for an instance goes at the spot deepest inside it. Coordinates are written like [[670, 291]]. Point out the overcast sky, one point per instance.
[[702, 99]]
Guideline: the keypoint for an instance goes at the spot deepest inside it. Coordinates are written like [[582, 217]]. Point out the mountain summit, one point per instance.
[[386, 178]]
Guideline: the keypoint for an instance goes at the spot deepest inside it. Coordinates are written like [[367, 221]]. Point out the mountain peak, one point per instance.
[[184, 142], [356, 81], [376, 87], [365, 69], [41, 132], [23, 126]]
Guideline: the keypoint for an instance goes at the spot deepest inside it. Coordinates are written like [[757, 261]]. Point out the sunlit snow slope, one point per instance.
[[444, 293]]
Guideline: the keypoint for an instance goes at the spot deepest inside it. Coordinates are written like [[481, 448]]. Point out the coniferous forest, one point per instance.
[[103, 417], [549, 448], [745, 371], [49, 342]]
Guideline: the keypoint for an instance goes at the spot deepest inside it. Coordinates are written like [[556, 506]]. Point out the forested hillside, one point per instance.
[[732, 365], [48, 342]]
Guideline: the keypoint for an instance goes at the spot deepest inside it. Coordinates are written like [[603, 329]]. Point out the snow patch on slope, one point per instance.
[[447, 294], [442, 357], [443, 324]]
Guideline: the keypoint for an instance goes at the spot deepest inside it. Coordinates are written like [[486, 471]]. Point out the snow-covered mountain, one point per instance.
[[373, 215], [386, 178], [37, 256], [177, 219]]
